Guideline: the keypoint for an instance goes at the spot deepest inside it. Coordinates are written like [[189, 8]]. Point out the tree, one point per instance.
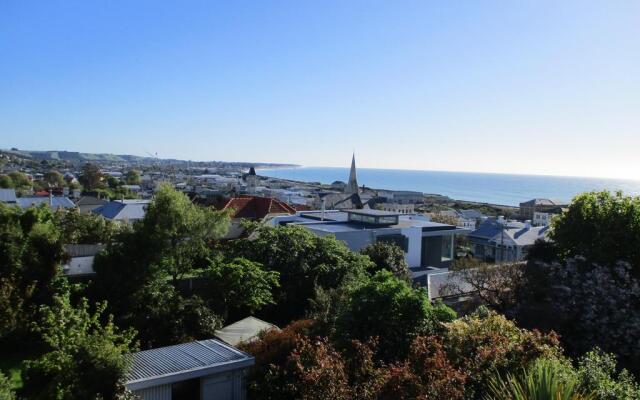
[[6, 392], [132, 177], [305, 262], [91, 177], [85, 358], [387, 256], [239, 285], [6, 182], [182, 231], [599, 374], [603, 227], [54, 179], [388, 308], [20, 180], [77, 228]]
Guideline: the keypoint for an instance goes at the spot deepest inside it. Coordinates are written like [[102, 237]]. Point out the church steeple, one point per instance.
[[352, 185]]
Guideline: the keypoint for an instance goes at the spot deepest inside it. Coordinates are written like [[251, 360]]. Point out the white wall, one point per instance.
[[414, 249], [79, 266]]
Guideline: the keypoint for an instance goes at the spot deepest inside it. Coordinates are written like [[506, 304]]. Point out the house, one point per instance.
[[87, 204], [80, 259], [406, 197], [8, 196], [424, 243], [123, 211], [397, 208], [528, 208], [543, 218], [499, 240], [245, 330], [253, 208], [54, 202], [205, 370]]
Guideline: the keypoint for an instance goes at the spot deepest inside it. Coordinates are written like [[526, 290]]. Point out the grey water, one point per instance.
[[505, 189]]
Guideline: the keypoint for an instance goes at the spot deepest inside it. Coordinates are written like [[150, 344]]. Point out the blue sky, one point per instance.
[[541, 87]]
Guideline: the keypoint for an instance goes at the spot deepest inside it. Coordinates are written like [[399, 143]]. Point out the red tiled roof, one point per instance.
[[254, 207]]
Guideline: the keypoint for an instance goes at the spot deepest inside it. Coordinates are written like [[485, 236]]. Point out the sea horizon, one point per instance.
[[484, 187]]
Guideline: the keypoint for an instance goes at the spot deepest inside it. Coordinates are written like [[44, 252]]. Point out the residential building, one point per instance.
[[245, 330], [397, 208], [80, 259], [253, 208], [406, 197], [54, 202], [424, 243], [528, 208], [499, 240], [123, 211], [202, 370], [543, 218], [86, 204], [8, 196]]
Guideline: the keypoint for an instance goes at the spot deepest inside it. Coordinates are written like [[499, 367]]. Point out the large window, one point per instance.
[[447, 249]]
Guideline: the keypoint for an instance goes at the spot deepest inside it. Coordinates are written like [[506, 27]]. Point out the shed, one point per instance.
[[205, 370]]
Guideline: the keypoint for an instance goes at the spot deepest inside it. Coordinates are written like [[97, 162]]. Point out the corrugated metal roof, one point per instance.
[[181, 358], [53, 202], [245, 330], [7, 196]]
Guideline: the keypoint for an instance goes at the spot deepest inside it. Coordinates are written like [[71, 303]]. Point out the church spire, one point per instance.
[[352, 185]]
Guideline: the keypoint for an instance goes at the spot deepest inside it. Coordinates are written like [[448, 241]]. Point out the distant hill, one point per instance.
[[80, 158]]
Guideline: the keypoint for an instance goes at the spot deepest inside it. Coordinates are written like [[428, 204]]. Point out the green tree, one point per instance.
[[54, 178], [6, 392], [6, 182], [20, 180], [132, 177], [85, 358], [90, 177], [89, 228], [181, 230], [239, 285], [305, 262], [598, 373], [604, 227], [387, 256], [390, 309]]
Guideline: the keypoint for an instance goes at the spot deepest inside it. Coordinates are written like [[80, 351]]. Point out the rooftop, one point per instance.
[[183, 361]]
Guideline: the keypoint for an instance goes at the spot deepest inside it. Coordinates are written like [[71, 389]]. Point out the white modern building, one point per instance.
[[424, 243]]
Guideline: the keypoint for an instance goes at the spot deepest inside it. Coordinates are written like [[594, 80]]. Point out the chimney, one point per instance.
[[501, 219], [527, 224]]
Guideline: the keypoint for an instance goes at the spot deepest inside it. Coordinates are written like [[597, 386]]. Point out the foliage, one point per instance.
[[91, 177], [6, 182], [163, 317], [239, 284], [181, 230], [30, 255], [77, 228], [305, 262], [603, 227], [54, 179], [388, 308], [597, 373], [20, 180], [387, 256], [6, 393], [86, 355], [132, 177], [486, 341], [544, 379], [442, 218]]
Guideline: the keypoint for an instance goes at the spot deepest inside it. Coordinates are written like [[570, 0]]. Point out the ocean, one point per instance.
[[504, 189]]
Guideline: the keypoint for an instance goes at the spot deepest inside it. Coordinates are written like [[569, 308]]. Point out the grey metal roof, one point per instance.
[[183, 361], [373, 212], [53, 202], [7, 196], [491, 230], [123, 210]]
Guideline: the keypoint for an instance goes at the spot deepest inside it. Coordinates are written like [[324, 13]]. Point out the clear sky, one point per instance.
[[544, 87]]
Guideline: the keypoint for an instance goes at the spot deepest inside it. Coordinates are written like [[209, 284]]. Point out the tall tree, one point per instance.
[[390, 309], [181, 230], [604, 227], [132, 177], [387, 256], [54, 179], [90, 177]]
